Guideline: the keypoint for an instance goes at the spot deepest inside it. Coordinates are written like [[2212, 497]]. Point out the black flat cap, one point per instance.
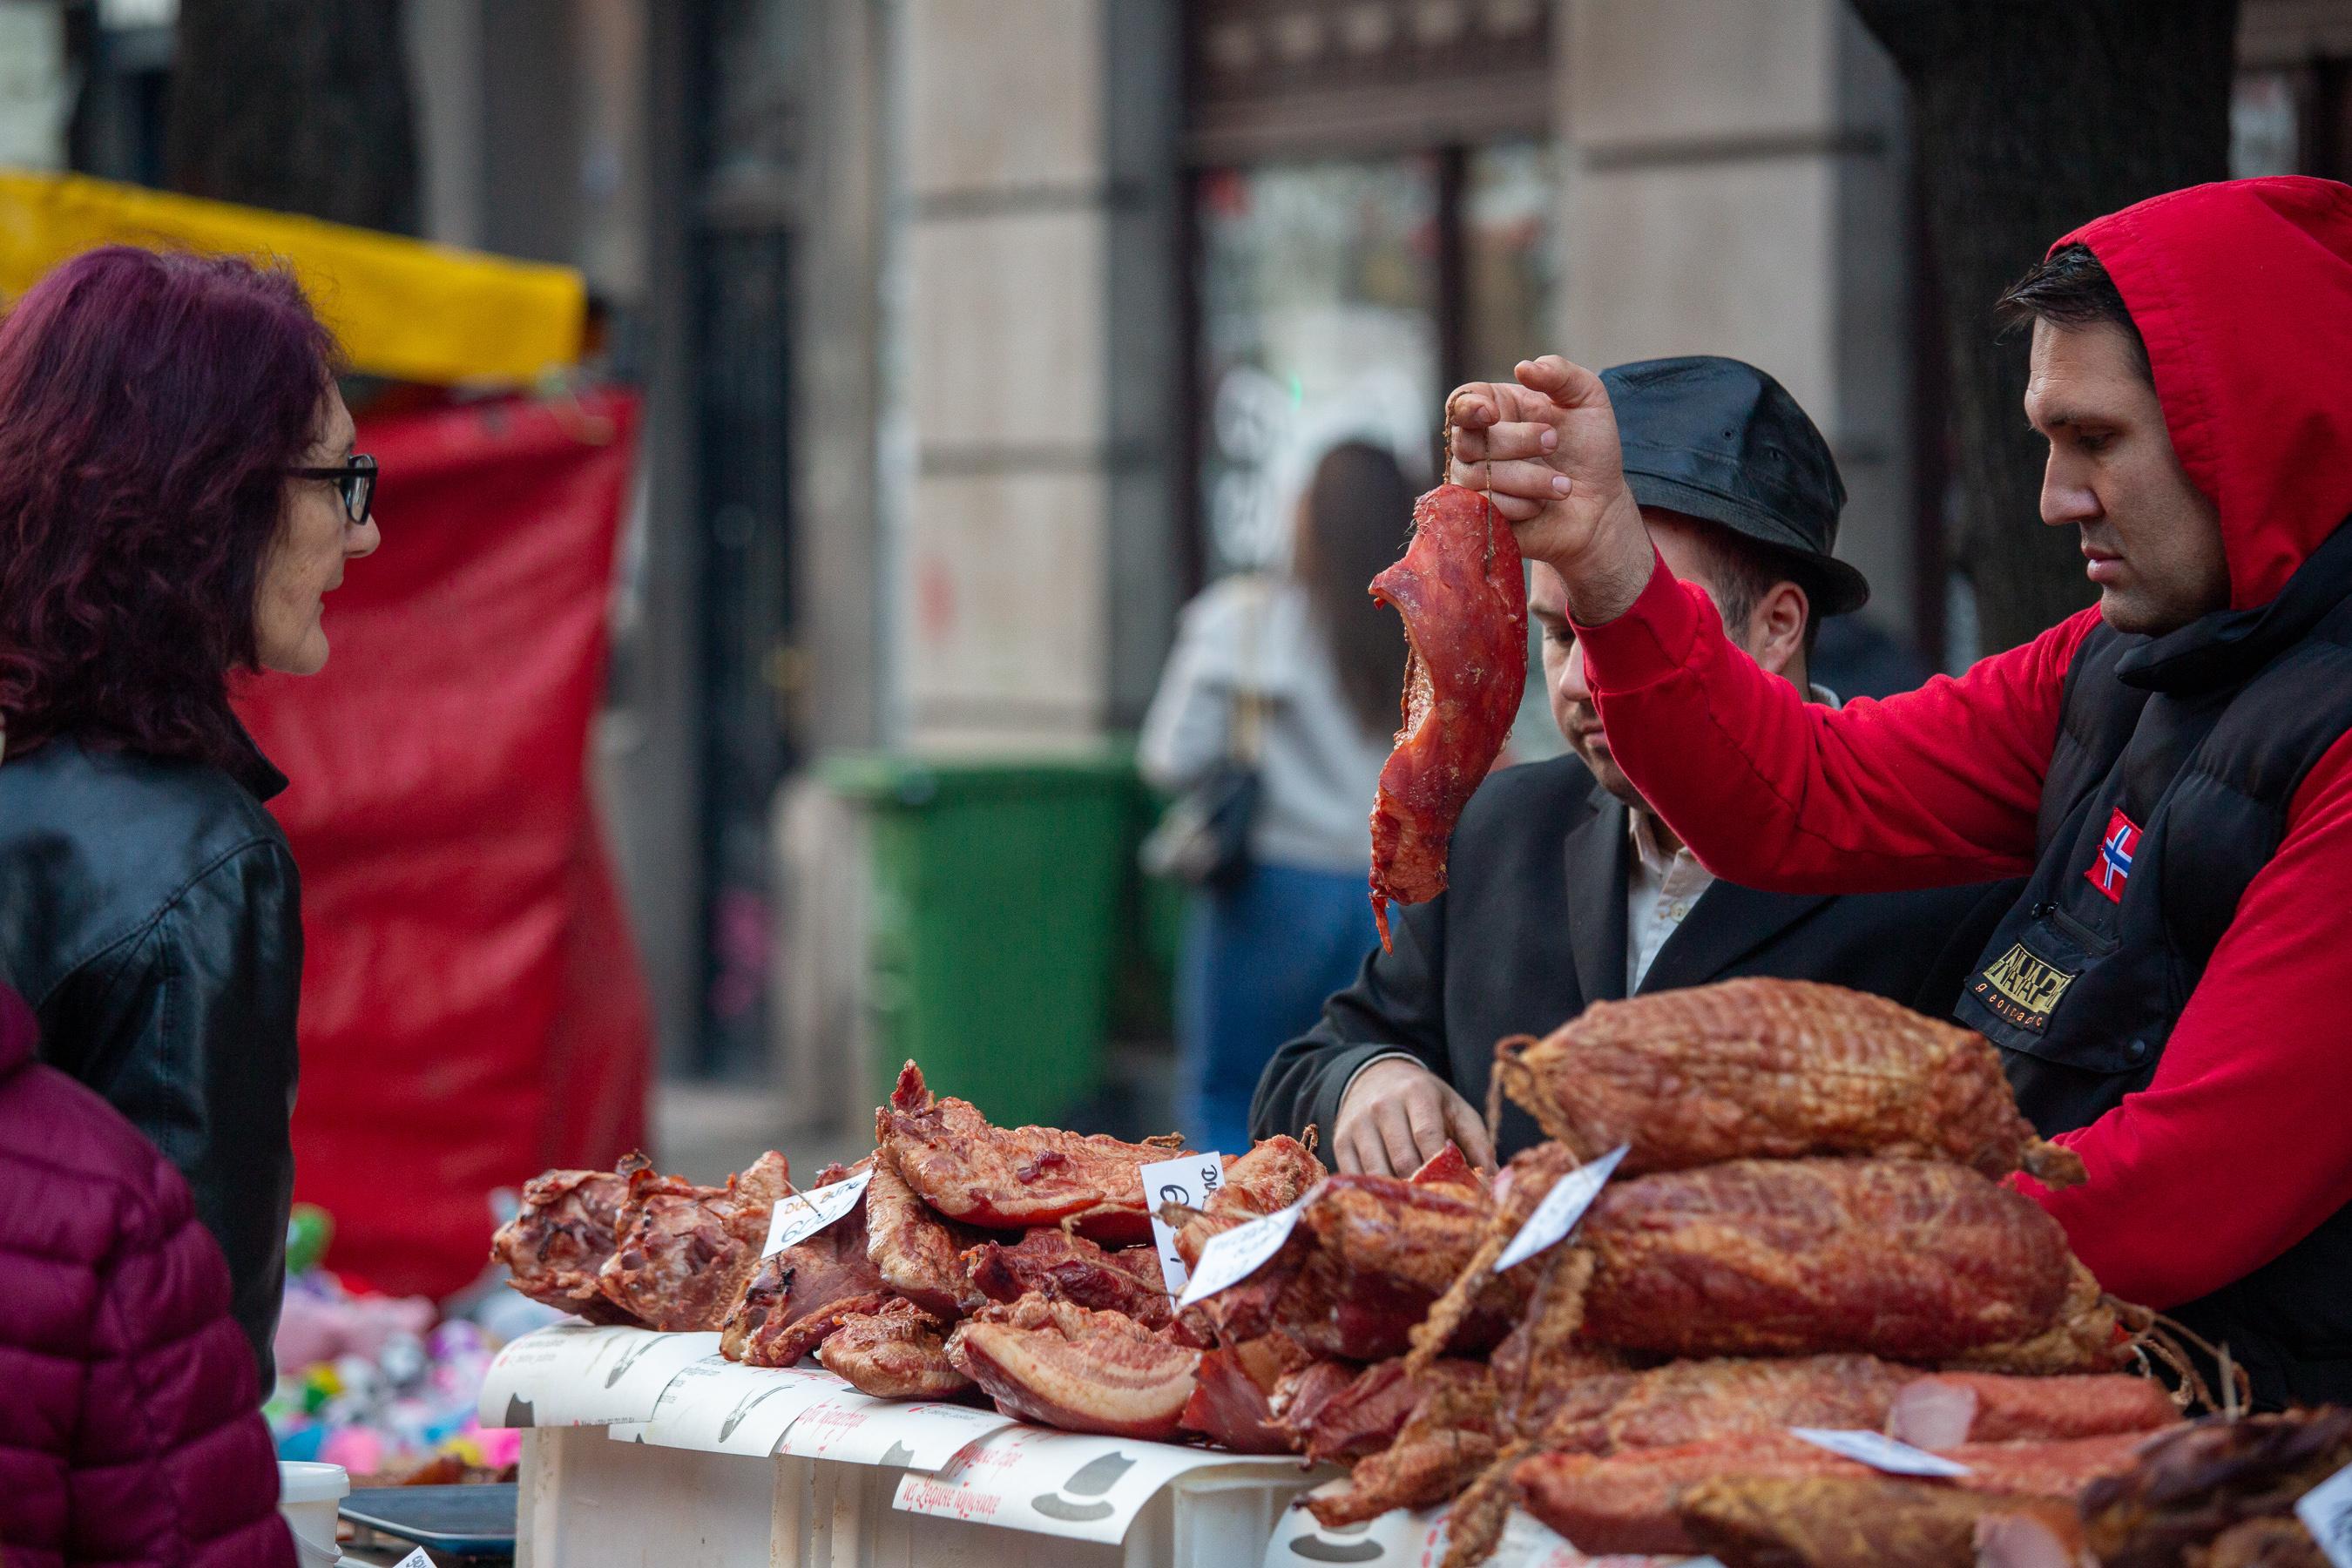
[[1721, 440]]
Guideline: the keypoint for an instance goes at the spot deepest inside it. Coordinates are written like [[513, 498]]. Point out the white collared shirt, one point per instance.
[[1661, 887]]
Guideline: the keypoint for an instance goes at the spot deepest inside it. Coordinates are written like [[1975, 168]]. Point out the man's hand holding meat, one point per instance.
[[1565, 887], [2172, 769]]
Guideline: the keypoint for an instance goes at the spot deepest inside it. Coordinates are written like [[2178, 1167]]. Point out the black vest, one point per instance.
[[2167, 791]]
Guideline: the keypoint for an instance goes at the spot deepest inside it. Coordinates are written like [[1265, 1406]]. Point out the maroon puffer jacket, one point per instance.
[[130, 1431]]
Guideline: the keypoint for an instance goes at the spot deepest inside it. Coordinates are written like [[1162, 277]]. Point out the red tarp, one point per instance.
[[472, 1007]]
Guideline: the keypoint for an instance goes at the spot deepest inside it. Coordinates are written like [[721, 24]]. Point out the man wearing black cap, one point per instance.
[[1565, 887]]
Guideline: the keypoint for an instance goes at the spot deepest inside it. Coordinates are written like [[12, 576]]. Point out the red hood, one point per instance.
[[2243, 294]]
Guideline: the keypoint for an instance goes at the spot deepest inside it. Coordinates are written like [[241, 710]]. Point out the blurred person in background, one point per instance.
[[177, 490], [130, 1432], [1304, 671]]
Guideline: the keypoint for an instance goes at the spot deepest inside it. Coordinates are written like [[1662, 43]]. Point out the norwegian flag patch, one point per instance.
[[2112, 868]]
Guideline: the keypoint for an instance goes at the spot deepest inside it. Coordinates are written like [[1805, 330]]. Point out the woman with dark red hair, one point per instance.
[[177, 490]]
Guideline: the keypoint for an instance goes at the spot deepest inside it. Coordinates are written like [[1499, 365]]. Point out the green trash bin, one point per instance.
[[993, 921]]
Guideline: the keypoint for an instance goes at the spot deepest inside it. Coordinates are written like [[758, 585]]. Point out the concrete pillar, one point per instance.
[[1736, 186]]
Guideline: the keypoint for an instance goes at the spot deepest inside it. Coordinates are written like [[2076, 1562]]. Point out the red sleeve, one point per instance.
[[1930, 788], [2236, 1149]]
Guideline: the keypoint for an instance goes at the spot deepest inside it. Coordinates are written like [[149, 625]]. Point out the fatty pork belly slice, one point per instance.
[[1065, 1366], [897, 1352], [685, 1254], [1625, 1501], [918, 1254], [802, 1293], [1015, 1178], [1910, 1259], [1072, 1268], [560, 1236], [1773, 1069], [1465, 602]]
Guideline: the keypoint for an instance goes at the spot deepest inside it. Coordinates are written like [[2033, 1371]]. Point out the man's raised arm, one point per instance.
[[1936, 786]]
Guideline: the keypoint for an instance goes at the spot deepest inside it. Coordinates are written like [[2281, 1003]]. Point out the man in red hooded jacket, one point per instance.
[[2173, 991]]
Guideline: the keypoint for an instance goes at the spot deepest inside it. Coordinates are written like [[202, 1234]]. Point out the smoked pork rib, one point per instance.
[[1014, 1178], [1910, 1259], [1064, 1366], [1368, 1257], [897, 1352], [1777, 1068], [802, 1293], [561, 1234], [684, 1254], [1072, 1268], [1952, 1408], [1463, 598]]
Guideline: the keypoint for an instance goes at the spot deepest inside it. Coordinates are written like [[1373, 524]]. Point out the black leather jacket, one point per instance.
[[151, 914]]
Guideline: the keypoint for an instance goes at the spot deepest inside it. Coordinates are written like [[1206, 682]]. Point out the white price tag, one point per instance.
[[802, 1216], [2327, 1512], [1188, 1181], [1560, 1209], [1881, 1452], [417, 1559], [1235, 1256]]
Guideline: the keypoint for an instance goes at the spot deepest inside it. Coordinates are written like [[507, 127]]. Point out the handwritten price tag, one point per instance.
[[802, 1216], [1234, 1257], [1881, 1452], [1188, 1181], [2327, 1512], [1560, 1209]]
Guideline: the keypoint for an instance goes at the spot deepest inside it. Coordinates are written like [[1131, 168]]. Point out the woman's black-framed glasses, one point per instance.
[[355, 479]]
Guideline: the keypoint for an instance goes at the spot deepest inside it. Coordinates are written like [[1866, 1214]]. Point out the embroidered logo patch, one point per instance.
[[2020, 988], [2112, 870]]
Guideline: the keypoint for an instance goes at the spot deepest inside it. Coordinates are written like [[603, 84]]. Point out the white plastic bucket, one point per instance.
[[308, 1493]]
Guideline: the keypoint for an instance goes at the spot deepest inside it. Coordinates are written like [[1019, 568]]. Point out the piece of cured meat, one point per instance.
[[2086, 1338], [802, 1294], [1083, 1372], [2189, 1485], [1275, 1173], [1845, 1522], [1072, 1268], [1542, 1368], [1694, 1401], [1625, 1502], [1518, 1188], [1463, 598], [2279, 1543], [684, 1254], [1910, 1259], [1365, 1417], [918, 1254], [1229, 1408], [1443, 1444], [1952, 1408], [1450, 1167], [1367, 1258], [561, 1234], [894, 1352], [1014, 1178], [1773, 1069]]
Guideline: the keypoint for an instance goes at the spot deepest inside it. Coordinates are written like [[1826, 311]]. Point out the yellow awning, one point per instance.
[[400, 306]]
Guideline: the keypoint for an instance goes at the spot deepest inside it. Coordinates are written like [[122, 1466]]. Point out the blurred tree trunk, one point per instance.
[[295, 105], [2032, 117]]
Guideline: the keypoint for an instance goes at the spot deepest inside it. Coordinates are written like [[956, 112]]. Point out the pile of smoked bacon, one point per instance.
[[1807, 1229]]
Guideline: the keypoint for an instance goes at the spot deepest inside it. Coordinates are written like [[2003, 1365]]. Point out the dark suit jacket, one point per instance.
[[1533, 928]]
